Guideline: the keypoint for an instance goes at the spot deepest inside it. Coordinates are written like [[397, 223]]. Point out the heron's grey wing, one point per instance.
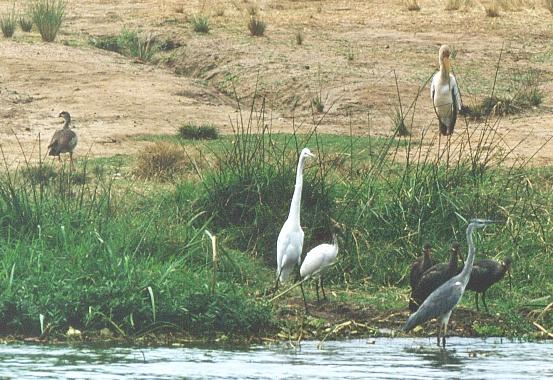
[[441, 301]]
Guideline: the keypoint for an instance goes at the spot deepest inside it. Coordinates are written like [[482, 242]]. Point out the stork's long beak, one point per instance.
[[447, 64]]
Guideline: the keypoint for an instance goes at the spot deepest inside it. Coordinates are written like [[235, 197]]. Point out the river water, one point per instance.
[[380, 358]]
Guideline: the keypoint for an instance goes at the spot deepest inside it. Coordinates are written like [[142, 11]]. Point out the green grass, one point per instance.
[[8, 23], [200, 24], [133, 257], [48, 15], [25, 23], [191, 131], [256, 26], [131, 43]]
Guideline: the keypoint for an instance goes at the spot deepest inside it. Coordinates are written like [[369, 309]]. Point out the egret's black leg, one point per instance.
[[304, 300], [476, 298], [317, 289], [438, 336], [484, 301], [277, 281], [445, 333], [322, 288]]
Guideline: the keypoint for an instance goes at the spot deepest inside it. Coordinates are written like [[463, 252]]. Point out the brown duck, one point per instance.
[[64, 140]]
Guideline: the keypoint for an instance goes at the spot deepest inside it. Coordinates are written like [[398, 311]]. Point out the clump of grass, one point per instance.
[[453, 5], [140, 46], [299, 38], [110, 43], [257, 26], [318, 104], [25, 23], [48, 16], [548, 4], [499, 105], [191, 131], [8, 23], [398, 123], [412, 5], [41, 174], [492, 10], [161, 160], [200, 24]]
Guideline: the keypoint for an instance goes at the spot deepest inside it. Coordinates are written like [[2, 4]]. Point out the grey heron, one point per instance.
[[444, 92], [443, 300]]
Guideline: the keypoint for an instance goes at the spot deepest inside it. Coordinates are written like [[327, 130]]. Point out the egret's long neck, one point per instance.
[[296, 198], [467, 269]]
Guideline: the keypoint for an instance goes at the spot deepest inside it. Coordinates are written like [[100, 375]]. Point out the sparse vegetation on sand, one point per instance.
[[48, 15], [8, 23]]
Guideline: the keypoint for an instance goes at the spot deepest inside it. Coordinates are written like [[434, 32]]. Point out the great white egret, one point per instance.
[[290, 238], [433, 277], [484, 274], [445, 93], [64, 140], [443, 300], [316, 260]]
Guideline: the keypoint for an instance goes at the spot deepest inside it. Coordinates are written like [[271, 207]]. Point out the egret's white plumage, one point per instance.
[[319, 258], [316, 261], [445, 93], [290, 238]]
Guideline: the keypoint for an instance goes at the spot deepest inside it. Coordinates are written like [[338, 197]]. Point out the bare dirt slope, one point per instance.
[[350, 55]]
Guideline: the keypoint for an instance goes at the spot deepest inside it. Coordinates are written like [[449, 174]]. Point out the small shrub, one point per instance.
[[25, 23], [200, 24], [299, 38], [191, 131], [257, 26], [412, 5], [48, 16], [492, 10], [318, 103], [161, 160], [453, 5], [7, 24], [38, 174], [110, 43], [132, 44], [398, 123], [548, 4]]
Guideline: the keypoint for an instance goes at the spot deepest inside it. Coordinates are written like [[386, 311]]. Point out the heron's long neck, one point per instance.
[[467, 269], [294, 214]]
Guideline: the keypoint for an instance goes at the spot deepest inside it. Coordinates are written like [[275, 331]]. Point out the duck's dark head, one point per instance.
[[65, 116]]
